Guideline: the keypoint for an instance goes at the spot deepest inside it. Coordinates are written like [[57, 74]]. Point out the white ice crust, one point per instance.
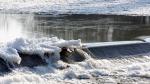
[[10, 50], [10, 54]]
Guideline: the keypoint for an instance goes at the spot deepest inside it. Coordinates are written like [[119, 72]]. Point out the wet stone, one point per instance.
[[84, 76], [71, 57], [31, 60], [4, 66], [63, 67]]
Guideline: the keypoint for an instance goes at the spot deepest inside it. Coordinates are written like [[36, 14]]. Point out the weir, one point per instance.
[[81, 54], [115, 51], [78, 53]]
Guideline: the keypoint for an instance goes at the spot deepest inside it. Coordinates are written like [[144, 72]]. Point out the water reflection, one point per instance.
[[89, 28]]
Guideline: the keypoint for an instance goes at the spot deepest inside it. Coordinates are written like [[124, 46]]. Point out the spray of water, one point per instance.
[[9, 28]]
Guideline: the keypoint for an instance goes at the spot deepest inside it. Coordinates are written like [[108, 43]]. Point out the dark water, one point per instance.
[[89, 28]]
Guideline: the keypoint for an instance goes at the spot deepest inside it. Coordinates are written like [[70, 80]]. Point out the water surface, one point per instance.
[[89, 28]]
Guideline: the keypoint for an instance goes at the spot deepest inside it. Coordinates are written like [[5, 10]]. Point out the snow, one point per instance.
[[78, 73], [9, 51], [10, 54], [106, 70], [40, 46], [119, 7], [52, 72], [57, 71]]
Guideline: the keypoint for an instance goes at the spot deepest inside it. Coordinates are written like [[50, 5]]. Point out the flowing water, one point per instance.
[[88, 28]]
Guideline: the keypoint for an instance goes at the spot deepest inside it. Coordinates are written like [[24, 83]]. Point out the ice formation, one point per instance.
[[10, 54], [60, 72], [10, 50]]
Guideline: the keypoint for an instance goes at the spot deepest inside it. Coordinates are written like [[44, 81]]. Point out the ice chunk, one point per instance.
[[10, 55], [42, 46], [70, 43], [18, 43]]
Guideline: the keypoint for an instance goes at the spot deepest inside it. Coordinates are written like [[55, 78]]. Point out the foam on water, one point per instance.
[[58, 71], [83, 70]]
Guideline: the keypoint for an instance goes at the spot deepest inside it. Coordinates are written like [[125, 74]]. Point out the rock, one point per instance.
[[64, 55], [78, 55], [63, 67], [71, 57], [31, 60], [83, 76], [4, 66]]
